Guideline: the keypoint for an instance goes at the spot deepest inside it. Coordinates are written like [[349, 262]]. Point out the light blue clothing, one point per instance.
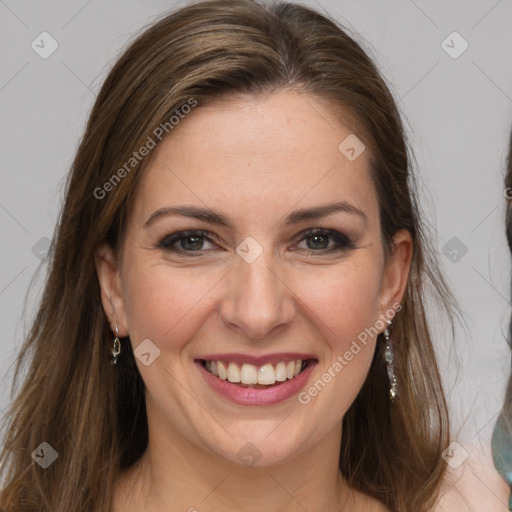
[[502, 451]]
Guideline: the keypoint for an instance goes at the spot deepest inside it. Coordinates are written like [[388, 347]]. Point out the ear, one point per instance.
[[109, 277], [396, 270]]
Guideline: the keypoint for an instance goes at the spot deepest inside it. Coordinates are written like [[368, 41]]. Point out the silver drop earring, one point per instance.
[[389, 357], [116, 350]]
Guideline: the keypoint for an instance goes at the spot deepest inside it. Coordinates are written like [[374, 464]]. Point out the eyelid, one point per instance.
[[179, 235], [342, 241]]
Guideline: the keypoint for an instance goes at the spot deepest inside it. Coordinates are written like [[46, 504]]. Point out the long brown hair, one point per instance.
[[93, 415]]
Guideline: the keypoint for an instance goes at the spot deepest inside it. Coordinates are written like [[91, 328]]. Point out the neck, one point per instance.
[[176, 474]]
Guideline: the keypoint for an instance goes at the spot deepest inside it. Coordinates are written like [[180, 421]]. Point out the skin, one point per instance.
[[254, 160]]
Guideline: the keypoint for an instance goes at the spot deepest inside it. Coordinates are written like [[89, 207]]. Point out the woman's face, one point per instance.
[[253, 242]]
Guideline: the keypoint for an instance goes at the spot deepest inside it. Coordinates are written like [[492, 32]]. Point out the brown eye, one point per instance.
[[184, 241], [322, 240]]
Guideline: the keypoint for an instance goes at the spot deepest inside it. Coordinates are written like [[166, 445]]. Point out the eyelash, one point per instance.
[[342, 242]]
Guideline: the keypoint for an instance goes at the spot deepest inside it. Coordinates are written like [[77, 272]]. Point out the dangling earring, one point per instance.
[[116, 350], [389, 356]]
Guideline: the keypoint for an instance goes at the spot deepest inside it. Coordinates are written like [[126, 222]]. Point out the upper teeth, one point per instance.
[[250, 374]]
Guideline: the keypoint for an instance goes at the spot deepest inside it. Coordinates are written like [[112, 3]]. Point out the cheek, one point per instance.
[[343, 298], [164, 304], [345, 310]]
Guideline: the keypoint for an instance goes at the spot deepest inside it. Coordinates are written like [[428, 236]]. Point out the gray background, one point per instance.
[[458, 113]]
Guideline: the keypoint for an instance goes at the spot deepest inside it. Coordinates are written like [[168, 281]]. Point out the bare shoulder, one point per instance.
[[376, 506], [380, 507], [365, 503]]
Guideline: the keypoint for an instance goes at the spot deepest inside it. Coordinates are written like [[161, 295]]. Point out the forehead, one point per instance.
[[258, 157]]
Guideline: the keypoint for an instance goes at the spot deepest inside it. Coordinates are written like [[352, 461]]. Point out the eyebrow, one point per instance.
[[296, 217]]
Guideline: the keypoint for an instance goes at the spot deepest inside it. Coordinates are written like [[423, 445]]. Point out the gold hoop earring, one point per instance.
[[116, 350]]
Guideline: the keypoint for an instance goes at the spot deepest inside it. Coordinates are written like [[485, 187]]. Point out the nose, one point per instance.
[[258, 299]]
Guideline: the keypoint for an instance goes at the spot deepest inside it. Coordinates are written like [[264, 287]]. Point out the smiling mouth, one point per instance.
[[259, 377]]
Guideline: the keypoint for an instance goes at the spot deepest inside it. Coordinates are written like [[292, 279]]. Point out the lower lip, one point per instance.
[[258, 396]]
